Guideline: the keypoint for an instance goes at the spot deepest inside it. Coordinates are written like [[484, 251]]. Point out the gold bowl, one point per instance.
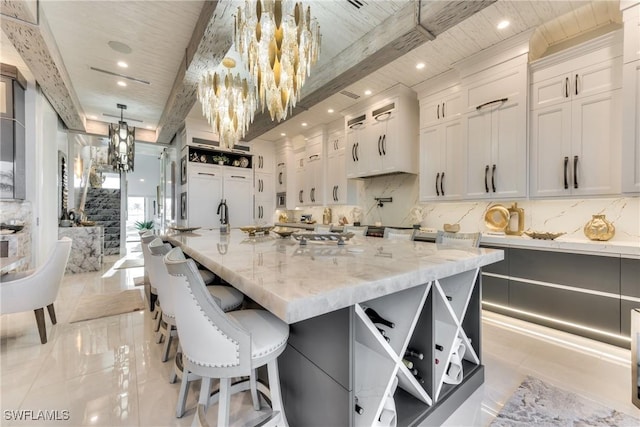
[[543, 235]]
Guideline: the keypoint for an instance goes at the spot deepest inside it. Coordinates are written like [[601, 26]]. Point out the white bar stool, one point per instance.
[[223, 345]]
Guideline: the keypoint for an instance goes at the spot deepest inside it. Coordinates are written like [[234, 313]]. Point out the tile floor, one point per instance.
[[107, 372]]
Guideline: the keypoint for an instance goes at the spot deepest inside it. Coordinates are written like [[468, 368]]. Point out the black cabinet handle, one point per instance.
[[357, 147], [566, 167], [384, 144], [566, 87], [575, 171], [486, 182], [300, 196], [442, 183], [379, 149], [437, 189], [443, 110], [576, 87], [495, 101], [493, 176], [313, 194], [353, 152], [280, 178], [438, 112], [336, 193]]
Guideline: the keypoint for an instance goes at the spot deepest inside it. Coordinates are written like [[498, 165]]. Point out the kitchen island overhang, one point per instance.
[[338, 362]]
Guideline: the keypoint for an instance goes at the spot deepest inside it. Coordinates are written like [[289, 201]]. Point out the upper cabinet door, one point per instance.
[[442, 107]]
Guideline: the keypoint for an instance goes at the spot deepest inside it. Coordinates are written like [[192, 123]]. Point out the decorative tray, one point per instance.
[[183, 229], [12, 227], [252, 230], [543, 235], [284, 232], [338, 238]]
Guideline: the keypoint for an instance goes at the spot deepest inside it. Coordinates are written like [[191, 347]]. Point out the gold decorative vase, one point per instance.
[[599, 228]]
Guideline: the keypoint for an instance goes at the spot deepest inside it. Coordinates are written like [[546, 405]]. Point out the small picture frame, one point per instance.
[[183, 170]]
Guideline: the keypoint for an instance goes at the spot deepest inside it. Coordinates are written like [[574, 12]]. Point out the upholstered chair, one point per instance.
[[36, 289], [356, 230], [469, 240], [223, 345], [398, 234]]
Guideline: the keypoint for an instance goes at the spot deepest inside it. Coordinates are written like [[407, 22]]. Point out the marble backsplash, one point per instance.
[[551, 215]]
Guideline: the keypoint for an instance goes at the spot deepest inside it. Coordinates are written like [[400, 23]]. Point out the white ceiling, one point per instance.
[[158, 33]]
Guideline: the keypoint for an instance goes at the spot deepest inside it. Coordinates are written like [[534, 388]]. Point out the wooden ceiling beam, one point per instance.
[[33, 40]]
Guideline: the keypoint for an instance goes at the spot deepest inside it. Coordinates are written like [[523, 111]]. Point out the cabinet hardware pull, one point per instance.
[[204, 173], [442, 184], [314, 156], [437, 178], [566, 87], [576, 84], [300, 196], [238, 176], [379, 150], [280, 178], [575, 171], [486, 182], [357, 147], [495, 101], [313, 195], [281, 164], [443, 110], [438, 112], [384, 144], [353, 152], [566, 167], [493, 175]]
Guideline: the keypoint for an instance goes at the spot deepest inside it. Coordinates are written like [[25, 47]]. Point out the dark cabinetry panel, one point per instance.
[[630, 277], [600, 273]]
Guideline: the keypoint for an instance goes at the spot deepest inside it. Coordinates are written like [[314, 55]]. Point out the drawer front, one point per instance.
[[495, 290], [630, 277], [576, 270], [501, 267], [593, 311]]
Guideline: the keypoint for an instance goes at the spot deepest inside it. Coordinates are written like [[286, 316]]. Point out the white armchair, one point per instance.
[[36, 289]]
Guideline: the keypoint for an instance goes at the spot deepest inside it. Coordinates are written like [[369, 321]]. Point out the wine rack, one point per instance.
[[428, 319]]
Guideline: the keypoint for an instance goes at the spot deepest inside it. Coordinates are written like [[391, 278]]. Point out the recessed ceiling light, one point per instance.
[[92, 117], [420, 65], [149, 127], [122, 64], [283, 134], [304, 123], [121, 83], [503, 24], [141, 179], [330, 110], [367, 92]]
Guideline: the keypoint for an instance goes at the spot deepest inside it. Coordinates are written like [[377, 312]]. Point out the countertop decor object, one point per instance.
[[183, 229], [497, 218], [12, 226], [518, 213], [543, 235], [451, 228], [599, 228], [283, 232], [252, 230]]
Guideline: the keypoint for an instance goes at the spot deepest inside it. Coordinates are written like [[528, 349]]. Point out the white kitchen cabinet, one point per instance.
[[263, 156], [281, 176], [631, 129], [314, 171], [496, 131], [237, 189], [300, 162], [442, 161], [576, 120], [441, 107], [339, 190], [384, 138], [356, 130], [202, 196], [631, 100]]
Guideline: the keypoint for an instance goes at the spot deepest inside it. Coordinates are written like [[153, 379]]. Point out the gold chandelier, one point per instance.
[[278, 41], [228, 101], [121, 144]]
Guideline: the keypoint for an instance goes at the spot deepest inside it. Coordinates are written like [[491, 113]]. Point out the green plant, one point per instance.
[[144, 225], [221, 158]]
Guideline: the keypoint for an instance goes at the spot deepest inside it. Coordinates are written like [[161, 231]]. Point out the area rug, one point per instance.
[[130, 263], [536, 403], [103, 305]]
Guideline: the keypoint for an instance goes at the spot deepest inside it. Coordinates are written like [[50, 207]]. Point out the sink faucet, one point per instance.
[[223, 211]]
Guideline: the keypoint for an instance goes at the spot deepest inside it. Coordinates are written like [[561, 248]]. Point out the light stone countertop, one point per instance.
[[300, 282]]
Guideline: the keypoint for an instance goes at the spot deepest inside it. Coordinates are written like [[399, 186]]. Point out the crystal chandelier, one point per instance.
[[228, 100], [121, 144], [279, 41]]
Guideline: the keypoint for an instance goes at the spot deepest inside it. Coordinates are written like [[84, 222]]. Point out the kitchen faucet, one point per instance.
[[223, 211]]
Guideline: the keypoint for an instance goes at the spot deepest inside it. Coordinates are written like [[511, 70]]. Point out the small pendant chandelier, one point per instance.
[[121, 144], [278, 41]]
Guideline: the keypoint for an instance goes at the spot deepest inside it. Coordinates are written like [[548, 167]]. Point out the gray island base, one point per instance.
[[340, 368]]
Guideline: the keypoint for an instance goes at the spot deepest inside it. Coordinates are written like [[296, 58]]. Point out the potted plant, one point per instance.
[[221, 159], [144, 225]]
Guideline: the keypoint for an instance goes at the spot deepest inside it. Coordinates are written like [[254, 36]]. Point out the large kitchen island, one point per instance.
[[340, 368]]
